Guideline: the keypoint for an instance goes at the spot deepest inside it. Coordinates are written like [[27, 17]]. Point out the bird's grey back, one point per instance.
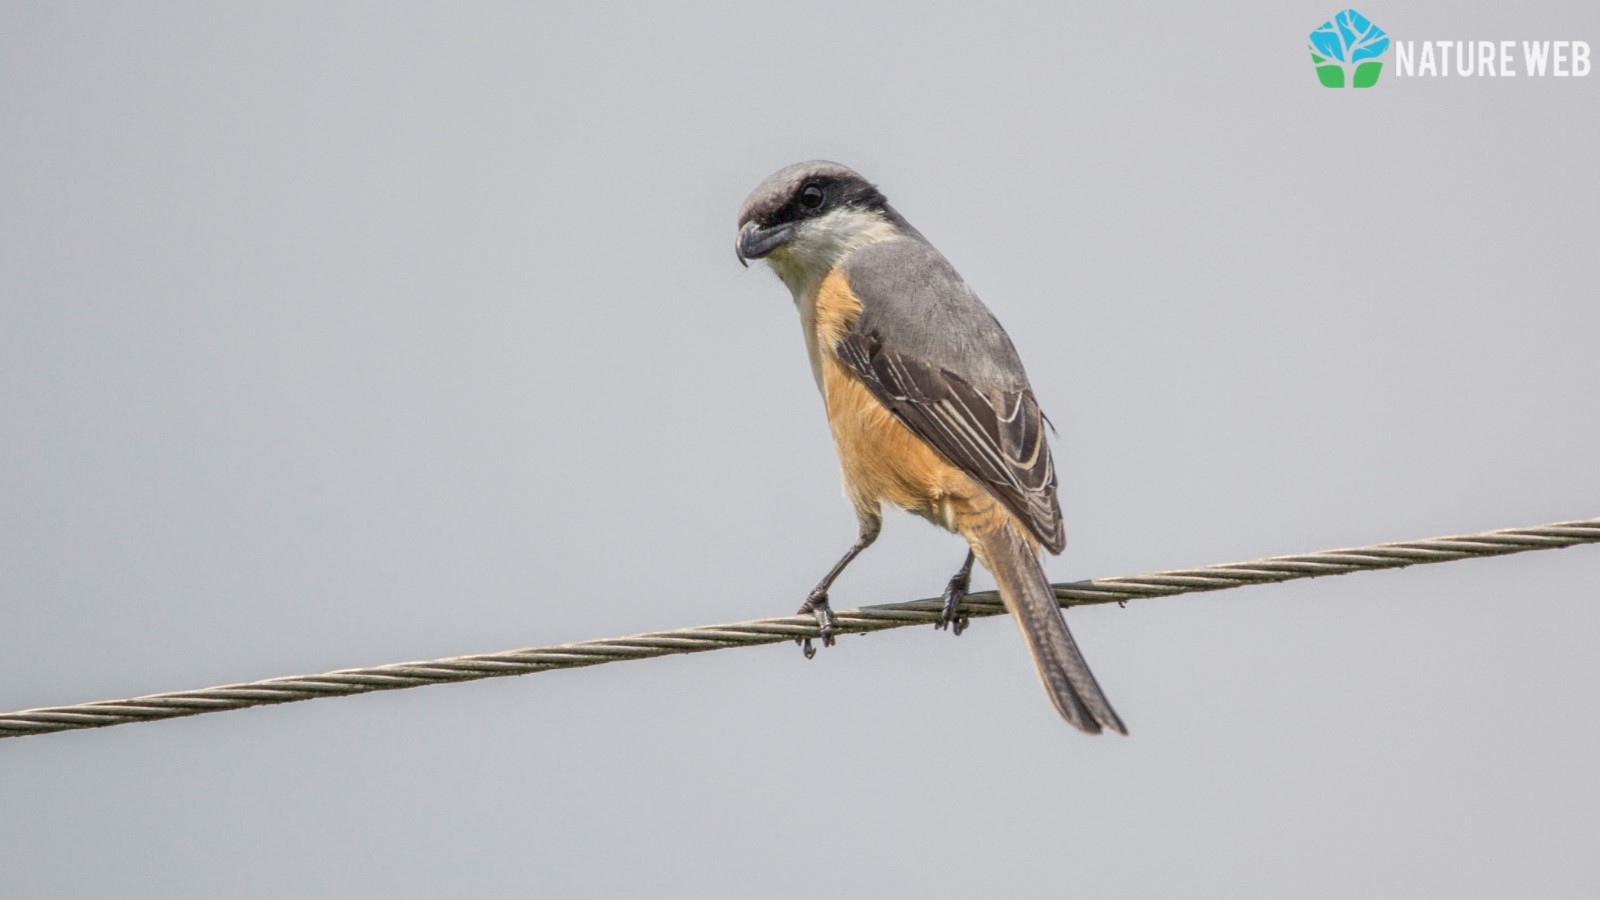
[[913, 298]]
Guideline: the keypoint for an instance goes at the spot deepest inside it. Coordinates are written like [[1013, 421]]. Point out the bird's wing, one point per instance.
[[932, 353]]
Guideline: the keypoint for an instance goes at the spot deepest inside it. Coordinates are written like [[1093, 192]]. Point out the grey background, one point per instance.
[[334, 335]]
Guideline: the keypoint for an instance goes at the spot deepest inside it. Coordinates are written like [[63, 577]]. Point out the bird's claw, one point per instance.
[[954, 593], [817, 605]]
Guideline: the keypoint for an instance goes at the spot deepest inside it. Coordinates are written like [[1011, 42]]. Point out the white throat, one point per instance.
[[820, 244]]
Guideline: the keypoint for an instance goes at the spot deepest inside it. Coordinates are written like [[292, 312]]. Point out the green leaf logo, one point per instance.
[[1345, 50]]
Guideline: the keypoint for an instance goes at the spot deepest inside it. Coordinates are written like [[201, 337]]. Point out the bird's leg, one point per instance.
[[954, 593], [817, 601]]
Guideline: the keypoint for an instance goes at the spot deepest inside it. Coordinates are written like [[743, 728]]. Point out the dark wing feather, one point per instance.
[[996, 437]]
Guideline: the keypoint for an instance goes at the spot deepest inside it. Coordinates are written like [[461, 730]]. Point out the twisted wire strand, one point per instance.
[[395, 676]]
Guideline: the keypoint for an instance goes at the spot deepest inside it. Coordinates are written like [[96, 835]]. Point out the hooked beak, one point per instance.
[[756, 242]]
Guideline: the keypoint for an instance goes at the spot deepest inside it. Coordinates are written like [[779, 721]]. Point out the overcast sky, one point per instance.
[[343, 334]]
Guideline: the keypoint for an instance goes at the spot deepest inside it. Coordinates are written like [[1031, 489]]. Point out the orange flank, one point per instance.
[[880, 457]]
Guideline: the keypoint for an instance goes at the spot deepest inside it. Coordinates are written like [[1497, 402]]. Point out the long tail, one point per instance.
[[1027, 594]]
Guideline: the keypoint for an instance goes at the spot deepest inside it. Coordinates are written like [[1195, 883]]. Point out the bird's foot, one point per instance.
[[954, 593], [817, 605]]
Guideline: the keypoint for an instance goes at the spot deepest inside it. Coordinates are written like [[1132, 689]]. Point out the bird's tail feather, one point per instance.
[[1028, 596]]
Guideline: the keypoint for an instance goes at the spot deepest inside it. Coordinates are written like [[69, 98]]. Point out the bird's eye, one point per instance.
[[811, 197]]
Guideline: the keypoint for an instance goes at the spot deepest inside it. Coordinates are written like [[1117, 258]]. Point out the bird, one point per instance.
[[928, 403]]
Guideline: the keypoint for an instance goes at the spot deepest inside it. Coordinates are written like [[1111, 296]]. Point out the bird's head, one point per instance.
[[804, 219]]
